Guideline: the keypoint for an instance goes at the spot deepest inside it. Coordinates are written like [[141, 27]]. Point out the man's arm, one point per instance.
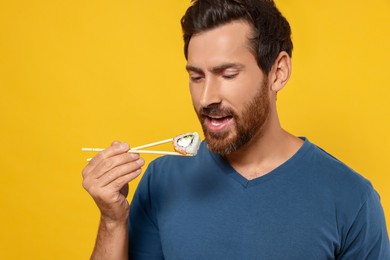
[[106, 179], [111, 241]]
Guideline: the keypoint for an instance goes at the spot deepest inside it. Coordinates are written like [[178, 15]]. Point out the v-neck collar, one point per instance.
[[289, 164]]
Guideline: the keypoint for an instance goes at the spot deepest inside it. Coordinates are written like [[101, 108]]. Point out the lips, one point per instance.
[[216, 118], [217, 123]]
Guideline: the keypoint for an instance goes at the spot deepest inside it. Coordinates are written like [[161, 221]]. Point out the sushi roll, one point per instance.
[[187, 144]]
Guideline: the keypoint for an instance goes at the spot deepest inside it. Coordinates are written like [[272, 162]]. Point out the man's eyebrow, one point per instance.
[[220, 68], [194, 69], [217, 69]]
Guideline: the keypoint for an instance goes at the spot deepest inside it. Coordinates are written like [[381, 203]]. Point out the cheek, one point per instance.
[[238, 98], [241, 92], [195, 96]]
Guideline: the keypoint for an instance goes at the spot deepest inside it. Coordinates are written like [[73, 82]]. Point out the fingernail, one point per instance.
[[123, 145], [134, 155], [140, 161]]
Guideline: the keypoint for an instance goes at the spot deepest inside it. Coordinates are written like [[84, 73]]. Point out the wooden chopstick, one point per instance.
[[86, 149], [137, 149], [152, 144], [152, 152]]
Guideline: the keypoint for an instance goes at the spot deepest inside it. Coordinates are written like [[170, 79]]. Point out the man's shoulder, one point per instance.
[[336, 175], [325, 161]]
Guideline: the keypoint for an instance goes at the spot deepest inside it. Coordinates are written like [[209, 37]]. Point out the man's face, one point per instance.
[[229, 91]]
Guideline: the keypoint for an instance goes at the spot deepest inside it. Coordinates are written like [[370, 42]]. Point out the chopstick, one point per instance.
[[132, 149], [137, 149], [152, 144], [150, 152]]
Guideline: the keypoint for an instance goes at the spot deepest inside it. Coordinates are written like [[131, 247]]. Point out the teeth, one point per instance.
[[216, 123]]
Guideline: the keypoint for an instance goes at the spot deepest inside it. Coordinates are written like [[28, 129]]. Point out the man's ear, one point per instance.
[[281, 71]]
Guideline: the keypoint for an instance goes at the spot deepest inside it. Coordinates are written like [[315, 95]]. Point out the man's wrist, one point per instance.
[[113, 224]]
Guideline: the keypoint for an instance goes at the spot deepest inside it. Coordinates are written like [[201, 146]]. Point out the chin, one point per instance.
[[221, 143]]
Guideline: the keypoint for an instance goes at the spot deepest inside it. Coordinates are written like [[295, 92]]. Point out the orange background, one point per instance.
[[83, 73]]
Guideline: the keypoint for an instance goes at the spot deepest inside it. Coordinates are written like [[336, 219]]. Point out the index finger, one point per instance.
[[115, 149]]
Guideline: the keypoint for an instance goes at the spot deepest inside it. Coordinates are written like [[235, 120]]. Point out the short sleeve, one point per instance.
[[367, 237], [144, 238]]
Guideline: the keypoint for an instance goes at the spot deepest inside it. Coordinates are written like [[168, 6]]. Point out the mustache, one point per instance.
[[215, 110]]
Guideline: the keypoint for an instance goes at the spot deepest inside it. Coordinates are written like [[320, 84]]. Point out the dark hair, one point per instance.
[[271, 32]]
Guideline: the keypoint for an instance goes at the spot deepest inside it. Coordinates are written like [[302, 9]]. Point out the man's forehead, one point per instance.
[[236, 30], [226, 44]]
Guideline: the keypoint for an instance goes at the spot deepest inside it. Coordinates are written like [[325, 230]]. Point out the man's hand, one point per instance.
[[106, 179]]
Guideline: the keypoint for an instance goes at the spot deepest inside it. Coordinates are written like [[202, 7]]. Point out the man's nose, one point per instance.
[[210, 93]]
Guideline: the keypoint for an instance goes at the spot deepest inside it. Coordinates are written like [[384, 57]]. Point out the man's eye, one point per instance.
[[195, 78], [229, 76]]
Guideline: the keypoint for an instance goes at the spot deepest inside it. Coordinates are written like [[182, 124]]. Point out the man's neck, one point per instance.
[[265, 152]]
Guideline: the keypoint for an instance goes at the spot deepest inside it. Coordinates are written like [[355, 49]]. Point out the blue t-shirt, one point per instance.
[[310, 207]]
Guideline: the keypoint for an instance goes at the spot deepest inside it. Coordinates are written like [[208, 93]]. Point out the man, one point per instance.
[[254, 191]]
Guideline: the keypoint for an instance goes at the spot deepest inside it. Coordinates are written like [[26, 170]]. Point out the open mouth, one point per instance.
[[217, 123]]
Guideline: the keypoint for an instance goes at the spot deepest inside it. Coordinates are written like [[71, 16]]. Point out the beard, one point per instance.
[[246, 125]]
